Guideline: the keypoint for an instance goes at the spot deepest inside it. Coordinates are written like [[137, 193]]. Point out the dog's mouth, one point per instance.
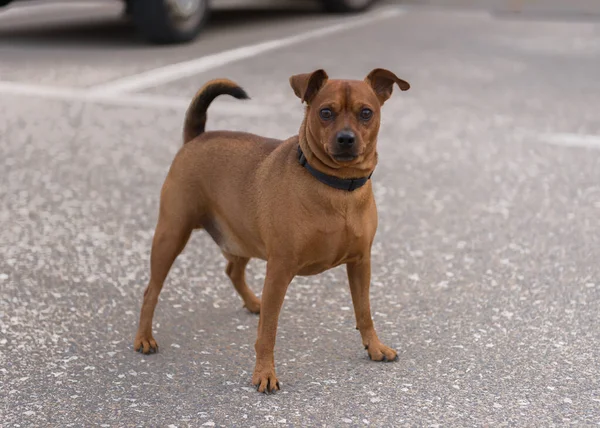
[[344, 157]]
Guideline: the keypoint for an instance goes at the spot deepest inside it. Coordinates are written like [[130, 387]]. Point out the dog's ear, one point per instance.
[[382, 81], [307, 85]]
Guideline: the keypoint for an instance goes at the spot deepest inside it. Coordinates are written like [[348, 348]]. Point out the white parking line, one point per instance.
[[237, 108], [172, 72], [572, 140], [117, 91]]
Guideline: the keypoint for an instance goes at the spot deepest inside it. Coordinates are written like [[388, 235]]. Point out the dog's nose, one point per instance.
[[345, 138]]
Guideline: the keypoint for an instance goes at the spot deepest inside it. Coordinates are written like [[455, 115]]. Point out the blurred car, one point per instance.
[[179, 21]]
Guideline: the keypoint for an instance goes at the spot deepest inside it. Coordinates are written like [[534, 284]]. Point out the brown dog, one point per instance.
[[305, 205]]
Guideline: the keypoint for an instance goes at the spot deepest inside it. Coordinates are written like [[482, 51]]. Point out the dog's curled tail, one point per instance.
[[195, 117]]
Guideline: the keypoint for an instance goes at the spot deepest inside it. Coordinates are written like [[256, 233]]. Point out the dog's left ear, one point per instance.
[[307, 85], [382, 81]]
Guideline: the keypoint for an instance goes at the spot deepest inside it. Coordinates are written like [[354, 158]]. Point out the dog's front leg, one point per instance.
[[276, 282], [359, 276]]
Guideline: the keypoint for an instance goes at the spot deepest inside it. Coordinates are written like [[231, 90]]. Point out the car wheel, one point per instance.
[[346, 6], [127, 8], [169, 21]]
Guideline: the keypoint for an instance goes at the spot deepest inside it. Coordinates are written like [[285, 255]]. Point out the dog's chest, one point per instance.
[[343, 227], [335, 239]]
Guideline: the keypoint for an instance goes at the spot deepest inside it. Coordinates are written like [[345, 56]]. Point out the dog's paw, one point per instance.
[[253, 305], [145, 345], [265, 380], [379, 352]]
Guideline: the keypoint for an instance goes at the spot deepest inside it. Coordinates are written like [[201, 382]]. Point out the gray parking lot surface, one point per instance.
[[485, 266]]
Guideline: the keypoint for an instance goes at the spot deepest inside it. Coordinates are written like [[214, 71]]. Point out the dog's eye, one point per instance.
[[366, 114], [326, 114]]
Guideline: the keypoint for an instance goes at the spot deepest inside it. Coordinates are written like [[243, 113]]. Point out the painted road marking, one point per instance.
[[237, 108], [587, 141], [172, 72]]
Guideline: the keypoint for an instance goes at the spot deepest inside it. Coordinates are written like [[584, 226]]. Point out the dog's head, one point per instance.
[[343, 116]]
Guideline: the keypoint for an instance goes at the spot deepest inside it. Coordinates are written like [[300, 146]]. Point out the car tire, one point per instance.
[[4, 2], [346, 6], [169, 21], [127, 8]]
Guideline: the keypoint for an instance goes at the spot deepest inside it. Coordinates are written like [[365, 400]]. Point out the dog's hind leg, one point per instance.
[[236, 271], [175, 224]]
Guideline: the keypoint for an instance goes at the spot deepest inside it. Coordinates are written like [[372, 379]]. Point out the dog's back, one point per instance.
[[219, 170], [206, 155]]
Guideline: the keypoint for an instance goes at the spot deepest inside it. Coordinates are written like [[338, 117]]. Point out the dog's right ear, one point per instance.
[[307, 85]]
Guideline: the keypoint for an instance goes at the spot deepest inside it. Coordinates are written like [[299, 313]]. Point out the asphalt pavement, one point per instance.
[[486, 265]]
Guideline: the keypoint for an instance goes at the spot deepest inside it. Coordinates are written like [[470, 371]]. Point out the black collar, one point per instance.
[[348, 184]]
